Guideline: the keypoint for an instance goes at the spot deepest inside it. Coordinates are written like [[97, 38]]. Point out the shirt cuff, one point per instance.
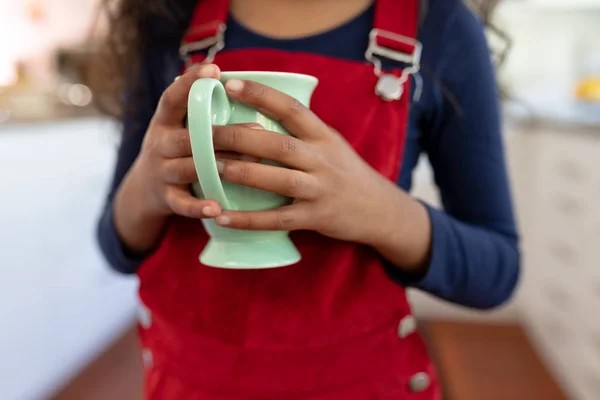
[[110, 244], [434, 278]]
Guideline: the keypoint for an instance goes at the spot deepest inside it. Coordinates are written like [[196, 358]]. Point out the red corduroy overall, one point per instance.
[[333, 326]]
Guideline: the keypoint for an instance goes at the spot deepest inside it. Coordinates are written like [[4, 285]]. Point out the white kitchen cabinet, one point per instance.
[[561, 283], [560, 5]]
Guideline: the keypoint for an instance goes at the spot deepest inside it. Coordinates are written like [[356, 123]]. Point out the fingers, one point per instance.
[[180, 171], [183, 203], [228, 155], [264, 145], [293, 115], [287, 182], [172, 106], [175, 143], [288, 218]]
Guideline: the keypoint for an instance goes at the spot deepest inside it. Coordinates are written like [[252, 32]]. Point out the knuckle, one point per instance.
[[188, 208], [181, 143], [155, 148], [296, 107], [320, 158], [181, 207], [247, 222], [170, 200], [288, 145], [150, 143], [167, 99], [180, 173], [294, 184], [231, 137], [283, 220], [171, 172], [241, 172], [177, 207], [191, 175], [256, 90], [235, 136]]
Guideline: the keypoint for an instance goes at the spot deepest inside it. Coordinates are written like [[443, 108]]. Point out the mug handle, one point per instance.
[[208, 105]]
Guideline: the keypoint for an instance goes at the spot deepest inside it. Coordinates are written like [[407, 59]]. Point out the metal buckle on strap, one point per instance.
[[214, 44], [391, 87]]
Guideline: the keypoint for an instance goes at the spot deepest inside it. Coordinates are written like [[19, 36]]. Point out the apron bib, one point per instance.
[[333, 326]]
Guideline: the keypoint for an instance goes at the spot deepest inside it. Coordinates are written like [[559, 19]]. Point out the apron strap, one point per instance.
[[397, 18], [208, 16], [206, 31], [394, 35], [396, 22]]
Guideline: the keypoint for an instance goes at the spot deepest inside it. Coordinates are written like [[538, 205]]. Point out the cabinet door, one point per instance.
[[563, 262]]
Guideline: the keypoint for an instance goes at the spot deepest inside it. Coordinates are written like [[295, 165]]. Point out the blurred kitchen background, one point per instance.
[[67, 320]]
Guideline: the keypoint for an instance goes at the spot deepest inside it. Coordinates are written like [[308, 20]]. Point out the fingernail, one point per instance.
[[222, 220], [176, 78], [256, 126], [234, 85], [209, 212], [220, 166], [207, 69]]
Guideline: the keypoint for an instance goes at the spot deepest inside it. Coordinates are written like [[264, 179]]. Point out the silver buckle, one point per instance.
[[214, 44], [386, 87]]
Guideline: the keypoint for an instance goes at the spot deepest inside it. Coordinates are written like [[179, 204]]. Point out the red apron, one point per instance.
[[333, 326]]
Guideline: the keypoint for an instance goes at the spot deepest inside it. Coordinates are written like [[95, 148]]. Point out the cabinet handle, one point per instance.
[[570, 170], [567, 205], [593, 381], [596, 345], [563, 252], [557, 330], [558, 296]]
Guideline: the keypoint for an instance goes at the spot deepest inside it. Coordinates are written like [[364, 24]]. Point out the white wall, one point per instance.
[[553, 45]]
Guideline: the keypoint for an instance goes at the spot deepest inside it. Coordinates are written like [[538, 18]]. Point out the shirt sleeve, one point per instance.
[[142, 103], [475, 258]]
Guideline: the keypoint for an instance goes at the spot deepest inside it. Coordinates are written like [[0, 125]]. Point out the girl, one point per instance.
[[337, 325]]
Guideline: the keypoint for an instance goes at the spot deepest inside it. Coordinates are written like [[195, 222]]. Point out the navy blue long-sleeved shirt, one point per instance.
[[456, 122]]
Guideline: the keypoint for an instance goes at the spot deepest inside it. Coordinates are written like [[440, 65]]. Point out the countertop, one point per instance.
[[33, 106], [553, 111]]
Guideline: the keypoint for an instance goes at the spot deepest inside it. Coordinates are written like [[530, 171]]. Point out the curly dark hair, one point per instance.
[[120, 50]]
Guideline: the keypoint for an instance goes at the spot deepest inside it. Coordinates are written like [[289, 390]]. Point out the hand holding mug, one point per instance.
[[336, 192], [165, 167]]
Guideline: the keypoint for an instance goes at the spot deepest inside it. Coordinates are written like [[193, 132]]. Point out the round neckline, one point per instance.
[[302, 39]]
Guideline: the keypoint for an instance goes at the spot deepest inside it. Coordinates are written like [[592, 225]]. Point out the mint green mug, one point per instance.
[[208, 104]]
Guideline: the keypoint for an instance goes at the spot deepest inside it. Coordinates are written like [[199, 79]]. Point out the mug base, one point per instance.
[[270, 253]]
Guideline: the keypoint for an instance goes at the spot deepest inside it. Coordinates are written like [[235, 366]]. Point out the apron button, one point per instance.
[[147, 358], [389, 87], [407, 326], [144, 316], [419, 382]]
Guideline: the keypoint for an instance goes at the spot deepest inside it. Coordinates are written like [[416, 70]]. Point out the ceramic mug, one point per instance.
[[208, 104]]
